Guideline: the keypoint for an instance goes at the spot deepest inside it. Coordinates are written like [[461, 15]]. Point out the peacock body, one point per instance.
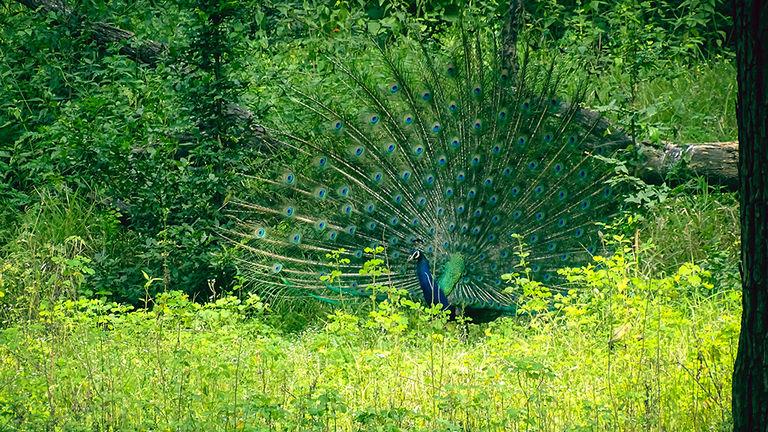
[[439, 160]]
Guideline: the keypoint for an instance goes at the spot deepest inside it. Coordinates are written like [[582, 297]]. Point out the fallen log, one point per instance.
[[717, 162]]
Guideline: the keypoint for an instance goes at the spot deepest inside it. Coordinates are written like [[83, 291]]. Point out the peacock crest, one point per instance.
[[445, 156]]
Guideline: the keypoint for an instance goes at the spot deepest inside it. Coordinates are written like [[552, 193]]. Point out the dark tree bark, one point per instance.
[[750, 374], [509, 35]]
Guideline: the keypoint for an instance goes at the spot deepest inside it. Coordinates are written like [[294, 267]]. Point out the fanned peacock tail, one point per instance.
[[448, 156]]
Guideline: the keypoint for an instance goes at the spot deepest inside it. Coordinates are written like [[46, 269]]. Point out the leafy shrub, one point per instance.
[[618, 351]]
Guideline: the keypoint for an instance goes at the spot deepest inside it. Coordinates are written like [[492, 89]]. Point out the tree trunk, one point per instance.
[[509, 33], [750, 374]]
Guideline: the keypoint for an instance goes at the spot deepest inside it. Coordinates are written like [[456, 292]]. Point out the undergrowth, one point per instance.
[[618, 351]]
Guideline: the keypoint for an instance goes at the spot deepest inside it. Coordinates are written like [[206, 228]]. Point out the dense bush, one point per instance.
[[110, 133]]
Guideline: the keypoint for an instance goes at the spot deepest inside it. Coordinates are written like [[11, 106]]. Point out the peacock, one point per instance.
[[450, 161]]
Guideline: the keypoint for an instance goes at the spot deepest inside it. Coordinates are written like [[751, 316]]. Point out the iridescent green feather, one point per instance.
[[412, 145], [453, 270]]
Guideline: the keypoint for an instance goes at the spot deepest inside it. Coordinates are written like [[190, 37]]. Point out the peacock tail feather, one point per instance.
[[451, 153]]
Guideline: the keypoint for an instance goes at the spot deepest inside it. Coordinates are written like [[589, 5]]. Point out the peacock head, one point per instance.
[[416, 255]]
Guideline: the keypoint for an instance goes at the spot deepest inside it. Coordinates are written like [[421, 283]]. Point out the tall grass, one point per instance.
[[620, 351], [697, 225], [675, 102], [696, 104], [48, 255]]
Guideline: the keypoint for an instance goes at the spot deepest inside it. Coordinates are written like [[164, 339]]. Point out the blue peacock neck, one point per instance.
[[433, 294]]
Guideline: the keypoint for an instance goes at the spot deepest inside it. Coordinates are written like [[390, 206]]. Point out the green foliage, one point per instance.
[[619, 351], [156, 147], [336, 262], [81, 119], [50, 254], [211, 79], [532, 296], [643, 30], [700, 227], [640, 54], [112, 180]]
